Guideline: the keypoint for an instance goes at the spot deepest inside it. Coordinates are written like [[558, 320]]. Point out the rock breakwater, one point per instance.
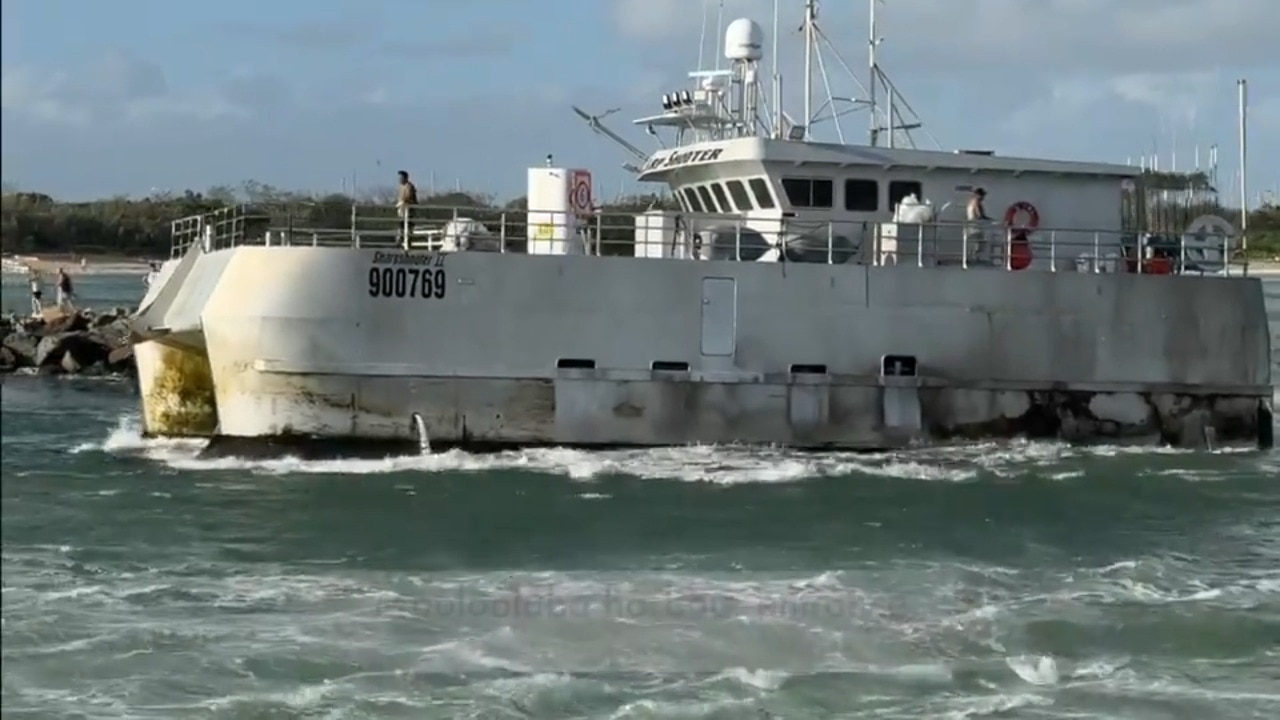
[[83, 343]]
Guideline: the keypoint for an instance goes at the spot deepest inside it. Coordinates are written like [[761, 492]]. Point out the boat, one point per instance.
[[801, 292]]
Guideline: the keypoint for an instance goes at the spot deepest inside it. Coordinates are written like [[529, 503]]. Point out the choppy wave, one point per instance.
[[908, 639], [1002, 580]]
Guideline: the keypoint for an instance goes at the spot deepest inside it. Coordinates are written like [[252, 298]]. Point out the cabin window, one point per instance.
[[739, 195], [684, 204], [691, 197], [705, 196], [899, 189], [764, 196], [808, 193], [721, 198], [861, 195]]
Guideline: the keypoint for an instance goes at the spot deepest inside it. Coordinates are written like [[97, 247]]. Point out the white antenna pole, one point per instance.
[[1242, 86], [810, 9], [702, 41], [777, 77], [873, 68], [719, 33]]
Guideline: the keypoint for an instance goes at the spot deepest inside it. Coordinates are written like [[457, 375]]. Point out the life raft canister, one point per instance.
[[1020, 255], [1159, 265]]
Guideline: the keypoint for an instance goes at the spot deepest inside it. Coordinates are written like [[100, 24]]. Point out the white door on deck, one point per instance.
[[719, 316]]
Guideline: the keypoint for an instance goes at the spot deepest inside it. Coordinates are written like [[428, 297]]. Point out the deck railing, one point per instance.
[[431, 228]]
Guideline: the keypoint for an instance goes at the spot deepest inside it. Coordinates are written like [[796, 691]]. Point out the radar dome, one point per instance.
[[743, 40]]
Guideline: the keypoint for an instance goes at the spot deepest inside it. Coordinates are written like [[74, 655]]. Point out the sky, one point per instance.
[[139, 96]]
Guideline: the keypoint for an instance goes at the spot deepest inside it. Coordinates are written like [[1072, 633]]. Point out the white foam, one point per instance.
[[726, 465]]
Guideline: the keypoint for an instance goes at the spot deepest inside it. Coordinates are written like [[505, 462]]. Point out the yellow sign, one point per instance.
[[545, 231]]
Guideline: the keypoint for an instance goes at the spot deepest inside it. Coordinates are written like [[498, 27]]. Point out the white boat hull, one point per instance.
[[301, 348]]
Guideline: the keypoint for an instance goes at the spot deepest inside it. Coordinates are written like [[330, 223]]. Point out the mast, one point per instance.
[[777, 78], [810, 11], [873, 69], [1242, 87]]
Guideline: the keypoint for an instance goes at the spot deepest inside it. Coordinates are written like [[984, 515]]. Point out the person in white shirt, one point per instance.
[[37, 293], [975, 222]]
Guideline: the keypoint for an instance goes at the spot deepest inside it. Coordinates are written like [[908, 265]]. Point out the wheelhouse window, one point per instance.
[[899, 189], [721, 199], [691, 199], [808, 192], [764, 196], [861, 195], [739, 194], [707, 202]]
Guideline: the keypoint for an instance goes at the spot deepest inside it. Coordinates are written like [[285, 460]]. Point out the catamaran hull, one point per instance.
[[317, 350]]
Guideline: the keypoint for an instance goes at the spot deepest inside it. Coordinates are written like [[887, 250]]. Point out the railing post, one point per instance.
[[737, 239], [1008, 249], [964, 248], [599, 243], [1097, 253], [920, 246], [1053, 251], [1142, 250], [355, 236], [831, 241], [502, 232]]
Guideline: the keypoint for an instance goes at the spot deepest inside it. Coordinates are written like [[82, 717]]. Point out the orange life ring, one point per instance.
[[1033, 216]]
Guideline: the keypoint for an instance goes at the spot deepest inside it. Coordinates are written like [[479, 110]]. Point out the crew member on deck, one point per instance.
[[975, 220], [407, 198]]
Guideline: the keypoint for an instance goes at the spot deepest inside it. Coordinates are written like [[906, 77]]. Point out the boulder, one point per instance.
[[83, 348], [22, 345]]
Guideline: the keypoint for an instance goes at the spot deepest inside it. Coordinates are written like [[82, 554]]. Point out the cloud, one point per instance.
[[365, 32], [1169, 99], [119, 87]]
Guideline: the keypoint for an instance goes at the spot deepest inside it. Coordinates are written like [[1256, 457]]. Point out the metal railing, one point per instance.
[[708, 236]]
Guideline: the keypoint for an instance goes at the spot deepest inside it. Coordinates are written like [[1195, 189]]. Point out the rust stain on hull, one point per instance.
[[180, 401]]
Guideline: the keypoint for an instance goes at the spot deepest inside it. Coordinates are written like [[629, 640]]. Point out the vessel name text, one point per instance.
[[683, 158], [407, 258]]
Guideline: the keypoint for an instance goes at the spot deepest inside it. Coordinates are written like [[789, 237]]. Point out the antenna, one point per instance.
[[872, 69], [593, 122]]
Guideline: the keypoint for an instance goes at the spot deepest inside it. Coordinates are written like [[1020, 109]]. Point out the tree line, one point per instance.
[[38, 223]]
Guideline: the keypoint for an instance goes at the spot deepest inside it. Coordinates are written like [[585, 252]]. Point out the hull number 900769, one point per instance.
[[426, 283]]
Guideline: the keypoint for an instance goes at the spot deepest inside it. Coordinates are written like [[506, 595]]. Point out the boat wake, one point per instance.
[[725, 465]]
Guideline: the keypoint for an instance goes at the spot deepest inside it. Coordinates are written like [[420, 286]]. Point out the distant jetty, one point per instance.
[[55, 343]]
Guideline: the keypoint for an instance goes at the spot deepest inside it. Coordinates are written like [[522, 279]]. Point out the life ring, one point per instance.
[[1033, 216]]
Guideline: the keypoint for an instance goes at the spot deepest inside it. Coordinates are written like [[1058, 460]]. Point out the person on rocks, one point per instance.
[[405, 200], [37, 293], [65, 292]]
